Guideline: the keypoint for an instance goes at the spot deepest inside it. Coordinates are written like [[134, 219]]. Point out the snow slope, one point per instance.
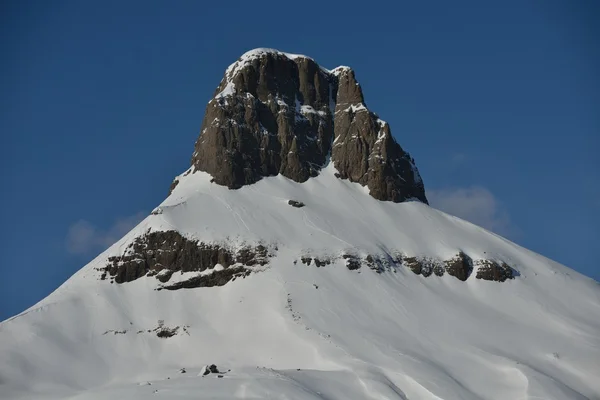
[[299, 332]]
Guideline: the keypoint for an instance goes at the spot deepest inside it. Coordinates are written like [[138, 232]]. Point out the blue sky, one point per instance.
[[101, 103]]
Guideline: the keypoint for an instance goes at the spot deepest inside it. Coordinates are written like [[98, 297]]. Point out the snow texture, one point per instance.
[[295, 331]]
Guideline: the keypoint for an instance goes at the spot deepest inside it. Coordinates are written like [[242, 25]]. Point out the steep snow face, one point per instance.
[[301, 332]]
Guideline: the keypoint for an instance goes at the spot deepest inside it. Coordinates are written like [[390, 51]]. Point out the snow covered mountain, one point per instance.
[[298, 255]]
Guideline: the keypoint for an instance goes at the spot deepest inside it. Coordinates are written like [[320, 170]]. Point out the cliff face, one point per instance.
[[277, 113]]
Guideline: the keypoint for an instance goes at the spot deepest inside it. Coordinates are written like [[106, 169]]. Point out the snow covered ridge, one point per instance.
[[233, 234]]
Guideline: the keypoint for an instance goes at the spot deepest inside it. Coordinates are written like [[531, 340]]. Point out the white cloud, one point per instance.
[[475, 204], [83, 237]]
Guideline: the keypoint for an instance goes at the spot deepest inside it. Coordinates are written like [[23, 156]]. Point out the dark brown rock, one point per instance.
[[322, 262], [173, 185], [352, 262], [424, 266], [272, 114], [297, 204], [216, 278], [364, 150], [492, 271], [306, 260], [161, 254], [165, 332], [164, 275], [459, 266], [250, 256], [415, 265]]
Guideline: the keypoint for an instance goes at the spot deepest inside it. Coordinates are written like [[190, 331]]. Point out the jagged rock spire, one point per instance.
[[278, 113]]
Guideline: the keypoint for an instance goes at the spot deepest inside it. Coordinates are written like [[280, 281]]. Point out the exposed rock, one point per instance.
[[375, 263], [352, 262], [251, 256], [425, 266], [321, 263], [152, 272], [270, 115], [216, 278], [164, 332], [492, 271], [161, 254], [164, 275], [273, 114], [460, 266], [173, 185], [157, 211], [115, 332], [364, 150], [209, 369], [297, 204]]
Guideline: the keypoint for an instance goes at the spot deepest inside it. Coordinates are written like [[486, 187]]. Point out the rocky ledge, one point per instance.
[[278, 113], [181, 263], [461, 266], [178, 262]]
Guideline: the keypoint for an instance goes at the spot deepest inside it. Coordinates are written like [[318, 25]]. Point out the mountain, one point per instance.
[[297, 258], [277, 113]]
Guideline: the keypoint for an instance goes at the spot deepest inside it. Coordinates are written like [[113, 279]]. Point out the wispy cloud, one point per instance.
[[83, 237], [475, 204]]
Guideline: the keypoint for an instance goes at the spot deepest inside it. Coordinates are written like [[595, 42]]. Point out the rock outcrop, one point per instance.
[[277, 113], [162, 254], [490, 270], [460, 266], [180, 263], [364, 150]]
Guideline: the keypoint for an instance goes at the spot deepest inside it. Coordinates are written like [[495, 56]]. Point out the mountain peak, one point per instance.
[[281, 113]]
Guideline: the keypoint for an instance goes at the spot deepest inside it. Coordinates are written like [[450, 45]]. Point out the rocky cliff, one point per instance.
[[278, 113]]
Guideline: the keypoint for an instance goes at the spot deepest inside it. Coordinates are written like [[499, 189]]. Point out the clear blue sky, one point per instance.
[[101, 102]]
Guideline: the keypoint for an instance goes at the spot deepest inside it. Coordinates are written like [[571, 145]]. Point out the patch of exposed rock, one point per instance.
[[270, 115], [297, 204], [209, 369], [425, 266], [492, 271], [459, 266], [364, 150], [274, 113], [319, 262], [352, 262], [162, 254]]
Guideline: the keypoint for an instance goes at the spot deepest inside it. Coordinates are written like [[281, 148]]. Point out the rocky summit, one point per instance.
[[278, 113]]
